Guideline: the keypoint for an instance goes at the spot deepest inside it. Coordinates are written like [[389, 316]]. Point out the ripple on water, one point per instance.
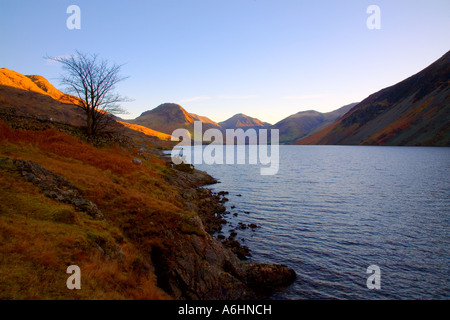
[[330, 212]]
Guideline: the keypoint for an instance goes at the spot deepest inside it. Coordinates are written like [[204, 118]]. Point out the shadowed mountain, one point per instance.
[[414, 112], [168, 117], [304, 123], [243, 121]]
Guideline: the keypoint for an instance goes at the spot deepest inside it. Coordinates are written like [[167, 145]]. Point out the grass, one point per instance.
[[40, 237]]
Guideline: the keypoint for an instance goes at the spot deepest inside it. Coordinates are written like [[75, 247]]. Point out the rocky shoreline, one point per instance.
[[188, 261], [226, 273]]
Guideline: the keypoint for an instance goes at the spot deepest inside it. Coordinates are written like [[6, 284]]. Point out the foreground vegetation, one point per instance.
[[40, 237]]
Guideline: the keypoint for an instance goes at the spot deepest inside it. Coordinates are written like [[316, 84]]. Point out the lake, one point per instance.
[[332, 211]]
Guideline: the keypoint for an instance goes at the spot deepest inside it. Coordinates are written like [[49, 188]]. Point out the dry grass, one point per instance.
[[40, 237], [147, 131]]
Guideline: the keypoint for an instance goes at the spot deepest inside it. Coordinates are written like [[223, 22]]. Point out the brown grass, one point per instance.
[[40, 237]]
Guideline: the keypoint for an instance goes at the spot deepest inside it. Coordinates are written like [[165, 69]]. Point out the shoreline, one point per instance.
[[226, 274]]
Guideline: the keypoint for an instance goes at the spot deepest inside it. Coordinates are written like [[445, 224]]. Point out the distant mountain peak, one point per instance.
[[241, 120], [168, 117]]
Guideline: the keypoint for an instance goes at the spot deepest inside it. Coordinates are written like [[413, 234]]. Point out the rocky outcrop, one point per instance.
[[56, 187], [199, 266]]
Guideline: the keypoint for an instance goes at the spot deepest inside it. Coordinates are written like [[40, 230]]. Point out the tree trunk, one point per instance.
[[89, 123]]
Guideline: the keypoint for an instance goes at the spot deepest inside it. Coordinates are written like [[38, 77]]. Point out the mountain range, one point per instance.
[[412, 112], [170, 116]]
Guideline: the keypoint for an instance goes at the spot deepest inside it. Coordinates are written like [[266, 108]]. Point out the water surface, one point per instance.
[[332, 211]]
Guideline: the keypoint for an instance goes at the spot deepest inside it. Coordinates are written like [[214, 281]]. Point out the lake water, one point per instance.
[[332, 211]]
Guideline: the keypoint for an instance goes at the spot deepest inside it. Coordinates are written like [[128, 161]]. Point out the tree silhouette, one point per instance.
[[93, 81]]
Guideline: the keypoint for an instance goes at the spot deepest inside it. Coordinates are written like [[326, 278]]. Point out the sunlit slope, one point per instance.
[[35, 96], [147, 131]]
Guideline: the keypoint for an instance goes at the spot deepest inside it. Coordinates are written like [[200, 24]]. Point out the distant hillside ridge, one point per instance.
[[304, 123], [413, 112]]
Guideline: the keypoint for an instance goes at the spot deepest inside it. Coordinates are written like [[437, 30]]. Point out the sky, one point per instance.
[[264, 58]]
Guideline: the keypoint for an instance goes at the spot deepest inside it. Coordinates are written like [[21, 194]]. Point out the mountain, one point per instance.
[[243, 121], [414, 112], [304, 123], [168, 117]]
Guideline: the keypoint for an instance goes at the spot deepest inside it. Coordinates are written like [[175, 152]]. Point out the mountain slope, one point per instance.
[[415, 111], [302, 124], [34, 95], [243, 121]]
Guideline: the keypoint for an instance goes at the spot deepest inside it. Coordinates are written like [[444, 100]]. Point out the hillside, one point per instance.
[[32, 96], [35, 95], [243, 121], [304, 123], [414, 112]]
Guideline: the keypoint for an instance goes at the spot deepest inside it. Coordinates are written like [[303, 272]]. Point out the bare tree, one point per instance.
[[93, 81]]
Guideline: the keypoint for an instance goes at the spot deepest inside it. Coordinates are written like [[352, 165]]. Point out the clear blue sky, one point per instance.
[[265, 58]]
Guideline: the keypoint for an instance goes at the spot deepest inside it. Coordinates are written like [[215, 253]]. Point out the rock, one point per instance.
[[141, 151], [266, 277], [242, 252], [242, 225], [239, 195], [195, 265], [223, 200], [253, 226], [136, 161], [235, 214], [232, 207], [56, 187]]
